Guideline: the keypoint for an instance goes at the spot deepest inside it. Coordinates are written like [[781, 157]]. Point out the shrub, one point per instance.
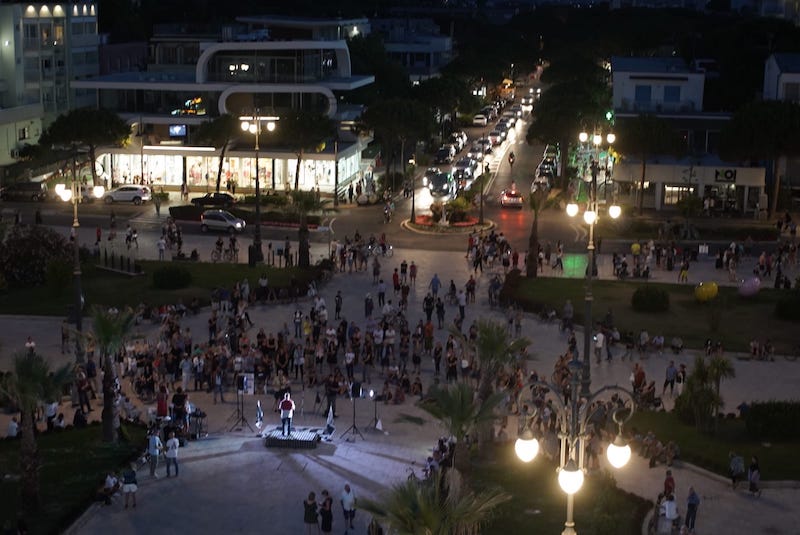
[[650, 298], [774, 420], [185, 212], [26, 252], [788, 306], [59, 273], [437, 209], [171, 278], [457, 210], [270, 199]]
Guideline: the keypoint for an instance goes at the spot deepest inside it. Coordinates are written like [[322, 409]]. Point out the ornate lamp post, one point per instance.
[[590, 217], [573, 418], [253, 125], [75, 196]]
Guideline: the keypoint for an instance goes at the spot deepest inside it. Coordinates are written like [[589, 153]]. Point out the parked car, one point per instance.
[[221, 220], [214, 199], [480, 120], [511, 198], [468, 165], [445, 154], [135, 194], [25, 191], [490, 112], [442, 184]]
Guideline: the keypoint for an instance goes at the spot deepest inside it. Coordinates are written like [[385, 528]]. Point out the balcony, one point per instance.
[[684, 106]]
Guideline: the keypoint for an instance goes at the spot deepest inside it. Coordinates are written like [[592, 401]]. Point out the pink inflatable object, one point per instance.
[[749, 287]]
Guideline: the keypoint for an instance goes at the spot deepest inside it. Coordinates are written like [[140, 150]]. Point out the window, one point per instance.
[[672, 93], [31, 31], [643, 94], [673, 194], [23, 134]]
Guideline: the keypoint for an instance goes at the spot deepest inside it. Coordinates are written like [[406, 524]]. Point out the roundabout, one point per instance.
[[426, 225]]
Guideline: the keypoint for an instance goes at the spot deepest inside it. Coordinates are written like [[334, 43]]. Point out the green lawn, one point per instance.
[[107, 288], [538, 504], [778, 460], [74, 463], [741, 319]]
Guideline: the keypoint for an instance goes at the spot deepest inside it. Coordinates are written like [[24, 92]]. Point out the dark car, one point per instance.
[[25, 191], [442, 184], [214, 199]]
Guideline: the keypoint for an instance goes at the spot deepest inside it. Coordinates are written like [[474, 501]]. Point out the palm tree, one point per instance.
[[444, 506], [304, 203], [458, 410], [219, 133], [539, 200], [32, 383], [719, 368], [109, 330]]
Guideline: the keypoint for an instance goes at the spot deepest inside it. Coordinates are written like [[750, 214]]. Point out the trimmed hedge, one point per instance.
[[774, 420], [650, 299], [171, 278], [190, 212], [788, 306]]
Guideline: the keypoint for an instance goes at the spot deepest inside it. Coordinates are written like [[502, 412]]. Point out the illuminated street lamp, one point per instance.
[[74, 195], [590, 216], [574, 417], [253, 125]]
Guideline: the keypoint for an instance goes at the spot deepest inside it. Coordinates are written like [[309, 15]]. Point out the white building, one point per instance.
[[42, 48], [782, 82], [669, 89], [193, 78], [416, 44]]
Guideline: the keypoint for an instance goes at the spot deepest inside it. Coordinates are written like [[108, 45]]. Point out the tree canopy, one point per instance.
[[219, 132], [87, 127]]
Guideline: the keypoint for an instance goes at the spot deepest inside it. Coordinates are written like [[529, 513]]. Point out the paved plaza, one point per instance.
[[229, 482]]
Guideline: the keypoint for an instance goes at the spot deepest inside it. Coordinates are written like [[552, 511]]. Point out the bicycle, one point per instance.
[[380, 250], [227, 255]]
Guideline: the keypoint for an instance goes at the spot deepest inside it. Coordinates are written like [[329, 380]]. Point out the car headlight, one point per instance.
[[238, 224]]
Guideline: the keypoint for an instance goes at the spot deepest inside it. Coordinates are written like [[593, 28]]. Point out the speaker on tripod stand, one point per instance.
[[375, 424], [355, 393]]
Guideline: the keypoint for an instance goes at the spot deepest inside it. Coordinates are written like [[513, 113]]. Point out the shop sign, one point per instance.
[[725, 175]]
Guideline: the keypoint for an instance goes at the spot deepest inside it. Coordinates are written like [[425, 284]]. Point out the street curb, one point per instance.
[[455, 231]]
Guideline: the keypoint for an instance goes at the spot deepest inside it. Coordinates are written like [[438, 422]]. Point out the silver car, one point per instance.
[[135, 194], [221, 220]]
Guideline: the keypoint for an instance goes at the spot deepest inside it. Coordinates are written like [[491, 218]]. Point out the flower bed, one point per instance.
[[426, 222]]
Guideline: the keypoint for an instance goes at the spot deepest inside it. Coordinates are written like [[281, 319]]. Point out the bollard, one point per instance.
[[129, 264], [105, 257]]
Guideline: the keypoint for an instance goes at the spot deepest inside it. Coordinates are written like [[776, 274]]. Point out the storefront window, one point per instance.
[[673, 194]]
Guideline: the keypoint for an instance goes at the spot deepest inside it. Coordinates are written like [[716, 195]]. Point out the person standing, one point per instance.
[[434, 285], [310, 514], [692, 503], [157, 204], [736, 466], [669, 379], [326, 512], [412, 273], [338, 304], [129, 484], [754, 477], [440, 312], [162, 246], [287, 407], [154, 447], [172, 453], [348, 501], [599, 342], [381, 293]]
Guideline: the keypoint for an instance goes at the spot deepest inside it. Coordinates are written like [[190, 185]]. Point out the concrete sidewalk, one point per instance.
[[231, 483]]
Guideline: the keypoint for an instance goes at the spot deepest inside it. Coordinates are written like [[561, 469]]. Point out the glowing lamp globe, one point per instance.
[[582, 137], [66, 195], [570, 478], [246, 126], [614, 211], [572, 209], [59, 189], [526, 447], [590, 216], [611, 138], [98, 191], [270, 126], [618, 453]]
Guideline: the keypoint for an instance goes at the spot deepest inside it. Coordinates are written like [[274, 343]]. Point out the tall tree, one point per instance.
[[396, 121], [110, 330], [765, 130], [32, 383], [460, 413], [538, 201], [304, 131], [446, 96], [304, 203], [563, 111], [643, 137], [495, 350], [219, 132], [368, 56], [90, 128], [444, 506]]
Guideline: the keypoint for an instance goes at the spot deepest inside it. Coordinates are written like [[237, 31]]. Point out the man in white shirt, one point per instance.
[[599, 342], [287, 411], [172, 453], [348, 501]]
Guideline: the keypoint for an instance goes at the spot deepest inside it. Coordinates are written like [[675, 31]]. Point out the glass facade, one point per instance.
[[272, 66], [201, 171]]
